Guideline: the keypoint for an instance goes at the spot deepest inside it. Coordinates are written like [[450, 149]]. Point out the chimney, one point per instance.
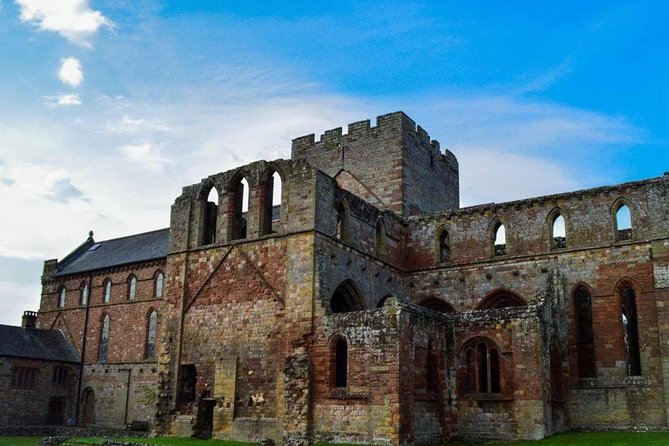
[[29, 319]]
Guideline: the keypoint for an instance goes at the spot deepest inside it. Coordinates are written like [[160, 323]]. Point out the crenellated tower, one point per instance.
[[393, 165]]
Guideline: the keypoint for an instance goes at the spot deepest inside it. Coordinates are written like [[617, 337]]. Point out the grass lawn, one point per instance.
[[597, 439], [20, 441]]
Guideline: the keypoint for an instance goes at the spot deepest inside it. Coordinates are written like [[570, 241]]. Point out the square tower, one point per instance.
[[393, 165]]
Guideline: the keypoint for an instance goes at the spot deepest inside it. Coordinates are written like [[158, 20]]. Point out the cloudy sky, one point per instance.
[[109, 107]]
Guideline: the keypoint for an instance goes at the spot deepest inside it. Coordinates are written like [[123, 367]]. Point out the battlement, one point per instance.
[[394, 165], [397, 123]]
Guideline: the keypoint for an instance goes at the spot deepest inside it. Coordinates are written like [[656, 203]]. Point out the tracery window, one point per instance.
[[483, 368]]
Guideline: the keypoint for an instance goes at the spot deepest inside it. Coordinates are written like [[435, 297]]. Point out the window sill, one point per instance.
[[341, 393], [487, 397]]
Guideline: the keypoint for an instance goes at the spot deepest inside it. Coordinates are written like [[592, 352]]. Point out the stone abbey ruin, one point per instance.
[[361, 304]]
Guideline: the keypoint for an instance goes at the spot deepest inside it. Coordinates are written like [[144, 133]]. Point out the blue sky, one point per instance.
[[107, 108]]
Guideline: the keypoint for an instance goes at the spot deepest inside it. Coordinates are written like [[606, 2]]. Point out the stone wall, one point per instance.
[[31, 406]]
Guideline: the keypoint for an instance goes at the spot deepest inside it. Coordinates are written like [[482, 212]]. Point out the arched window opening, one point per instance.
[[61, 297], [346, 298], [483, 374], [340, 363], [585, 340], [499, 239], [132, 287], [444, 246], [83, 293], [106, 290], [342, 226], [271, 203], [628, 315], [559, 232], [240, 209], [88, 400], [623, 223], [436, 304], [104, 339], [159, 284], [210, 217], [501, 299], [152, 327], [380, 237]]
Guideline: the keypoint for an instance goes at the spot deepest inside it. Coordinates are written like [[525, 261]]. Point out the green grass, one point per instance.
[[597, 439], [570, 439], [20, 441]]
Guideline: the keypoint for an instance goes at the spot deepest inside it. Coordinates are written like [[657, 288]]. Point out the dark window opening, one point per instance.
[[210, 217], [585, 344], [559, 232], [59, 377], [380, 237], [499, 240], [341, 363], [24, 378], [630, 330], [55, 414], [623, 223], [432, 367], [444, 246], [187, 382], [346, 299], [342, 226]]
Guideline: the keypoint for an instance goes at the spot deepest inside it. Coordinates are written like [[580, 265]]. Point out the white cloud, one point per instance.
[[72, 19], [146, 155], [71, 72], [69, 99], [128, 125], [498, 176]]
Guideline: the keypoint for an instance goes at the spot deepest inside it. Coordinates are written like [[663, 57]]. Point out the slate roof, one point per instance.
[[92, 255], [50, 345]]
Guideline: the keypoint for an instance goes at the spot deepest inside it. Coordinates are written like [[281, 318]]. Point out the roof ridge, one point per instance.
[[133, 235]]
